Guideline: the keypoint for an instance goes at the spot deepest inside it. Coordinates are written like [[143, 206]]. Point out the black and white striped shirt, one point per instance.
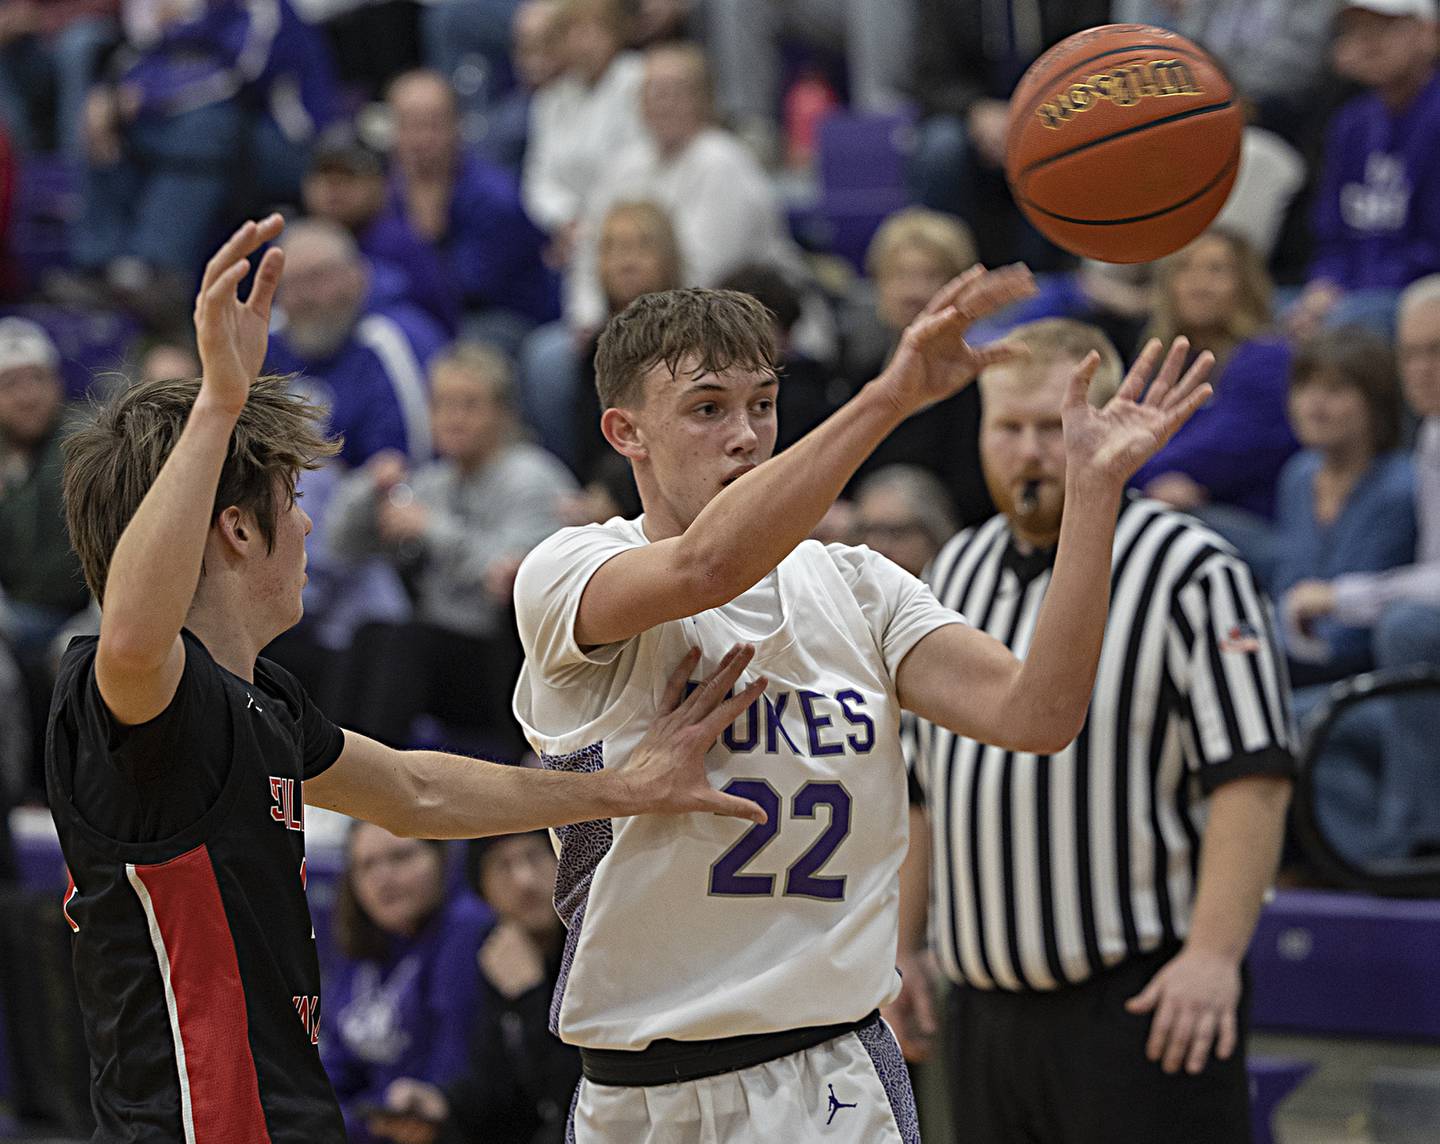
[[1047, 869]]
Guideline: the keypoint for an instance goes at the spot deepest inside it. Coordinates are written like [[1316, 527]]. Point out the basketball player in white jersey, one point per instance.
[[723, 980]]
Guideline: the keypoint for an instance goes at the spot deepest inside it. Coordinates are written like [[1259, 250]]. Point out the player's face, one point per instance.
[[1329, 414], [517, 879], [1022, 446], [397, 881], [281, 572], [698, 434], [1205, 285], [1418, 348]]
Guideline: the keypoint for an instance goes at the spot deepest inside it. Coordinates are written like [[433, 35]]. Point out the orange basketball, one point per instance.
[[1124, 142]]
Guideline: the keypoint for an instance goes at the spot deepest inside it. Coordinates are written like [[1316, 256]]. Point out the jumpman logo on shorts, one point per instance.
[[836, 1104]]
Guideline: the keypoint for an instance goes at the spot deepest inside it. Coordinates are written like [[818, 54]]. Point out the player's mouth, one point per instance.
[[735, 476]]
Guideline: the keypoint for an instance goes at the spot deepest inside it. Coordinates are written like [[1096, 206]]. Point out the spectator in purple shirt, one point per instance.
[[346, 183], [406, 991], [1216, 293], [367, 366], [469, 212], [1377, 211]]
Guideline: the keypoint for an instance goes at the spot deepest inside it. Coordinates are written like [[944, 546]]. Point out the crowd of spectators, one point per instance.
[[475, 186]]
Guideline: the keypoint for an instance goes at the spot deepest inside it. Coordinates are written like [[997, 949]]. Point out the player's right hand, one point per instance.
[[911, 1016], [933, 360], [233, 335], [665, 774]]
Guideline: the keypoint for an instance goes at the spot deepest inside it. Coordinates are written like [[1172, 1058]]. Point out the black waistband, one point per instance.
[[666, 1062]]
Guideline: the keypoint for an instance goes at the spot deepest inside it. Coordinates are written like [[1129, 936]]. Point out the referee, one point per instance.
[[1093, 907]]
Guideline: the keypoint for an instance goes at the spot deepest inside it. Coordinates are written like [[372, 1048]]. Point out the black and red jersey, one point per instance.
[[193, 949]]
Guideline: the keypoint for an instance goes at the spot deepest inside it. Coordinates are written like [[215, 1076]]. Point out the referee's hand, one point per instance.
[[1194, 998], [911, 1016]]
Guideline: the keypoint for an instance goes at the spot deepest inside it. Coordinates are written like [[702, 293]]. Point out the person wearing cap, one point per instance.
[[345, 184], [40, 581], [1376, 220]]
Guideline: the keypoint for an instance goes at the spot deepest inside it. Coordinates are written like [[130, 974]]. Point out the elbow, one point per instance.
[[711, 576], [129, 649]]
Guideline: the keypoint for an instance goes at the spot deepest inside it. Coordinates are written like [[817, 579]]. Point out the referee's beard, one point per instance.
[[1032, 502]]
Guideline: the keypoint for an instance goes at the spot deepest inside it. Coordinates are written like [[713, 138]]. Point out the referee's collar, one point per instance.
[[1027, 566]]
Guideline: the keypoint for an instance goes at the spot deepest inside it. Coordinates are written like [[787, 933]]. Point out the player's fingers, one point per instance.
[[1174, 418], [730, 710], [1200, 1041], [923, 1009], [236, 246], [997, 353], [1134, 384], [1078, 387], [1169, 371], [1178, 1038], [1145, 1000], [705, 698], [223, 289], [267, 280], [994, 291], [1160, 1027], [1229, 1035], [733, 806], [946, 295], [675, 685], [1194, 376]]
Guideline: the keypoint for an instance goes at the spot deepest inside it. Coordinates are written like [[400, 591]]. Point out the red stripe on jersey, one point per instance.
[[70, 891], [209, 1010]]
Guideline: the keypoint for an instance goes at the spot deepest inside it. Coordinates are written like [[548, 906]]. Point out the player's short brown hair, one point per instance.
[[1052, 340], [695, 331], [114, 456]]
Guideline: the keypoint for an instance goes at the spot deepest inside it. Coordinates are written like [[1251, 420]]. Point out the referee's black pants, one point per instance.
[[1069, 1067]]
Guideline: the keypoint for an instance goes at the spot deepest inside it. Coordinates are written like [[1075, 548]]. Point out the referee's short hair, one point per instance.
[[1052, 340]]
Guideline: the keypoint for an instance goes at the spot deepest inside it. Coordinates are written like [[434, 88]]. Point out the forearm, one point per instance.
[[1238, 858], [915, 886], [429, 794], [756, 522], [156, 566], [1051, 692]]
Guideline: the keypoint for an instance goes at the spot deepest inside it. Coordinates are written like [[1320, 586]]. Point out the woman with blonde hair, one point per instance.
[[1216, 292]]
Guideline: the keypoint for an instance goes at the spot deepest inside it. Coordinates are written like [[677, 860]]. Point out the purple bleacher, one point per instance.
[[1272, 1079], [860, 166], [92, 343], [47, 202], [1346, 963]]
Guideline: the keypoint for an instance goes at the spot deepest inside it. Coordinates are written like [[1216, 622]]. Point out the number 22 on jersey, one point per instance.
[[802, 880]]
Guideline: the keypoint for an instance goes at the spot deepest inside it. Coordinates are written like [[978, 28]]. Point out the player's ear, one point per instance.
[[236, 529], [623, 433]]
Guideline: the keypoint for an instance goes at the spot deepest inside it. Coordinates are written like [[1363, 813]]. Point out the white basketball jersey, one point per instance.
[[695, 927]]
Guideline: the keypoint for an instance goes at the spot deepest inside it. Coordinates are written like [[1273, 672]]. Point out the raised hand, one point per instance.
[[934, 360], [232, 335], [1112, 442], [666, 771]]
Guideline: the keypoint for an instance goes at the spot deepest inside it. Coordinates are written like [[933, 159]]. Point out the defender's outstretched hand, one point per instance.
[[232, 335], [666, 771], [1112, 442], [934, 360]]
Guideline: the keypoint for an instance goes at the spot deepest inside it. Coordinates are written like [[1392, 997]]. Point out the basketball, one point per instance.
[[1124, 142]]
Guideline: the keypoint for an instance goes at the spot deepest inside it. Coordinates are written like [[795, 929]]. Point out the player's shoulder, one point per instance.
[[569, 547]]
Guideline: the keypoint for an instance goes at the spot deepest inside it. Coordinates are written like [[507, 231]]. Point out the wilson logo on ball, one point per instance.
[[1124, 87]]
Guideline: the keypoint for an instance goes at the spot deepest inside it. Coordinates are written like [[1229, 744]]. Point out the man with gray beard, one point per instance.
[[366, 366]]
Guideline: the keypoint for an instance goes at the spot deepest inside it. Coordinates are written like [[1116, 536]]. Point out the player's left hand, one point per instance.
[[1194, 998], [665, 774], [1112, 442], [232, 335]]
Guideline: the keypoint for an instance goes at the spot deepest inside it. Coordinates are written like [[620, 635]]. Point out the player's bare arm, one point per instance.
[[969, 682], [755, 522], [1196, 995], [156, 564], [433, 795]]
